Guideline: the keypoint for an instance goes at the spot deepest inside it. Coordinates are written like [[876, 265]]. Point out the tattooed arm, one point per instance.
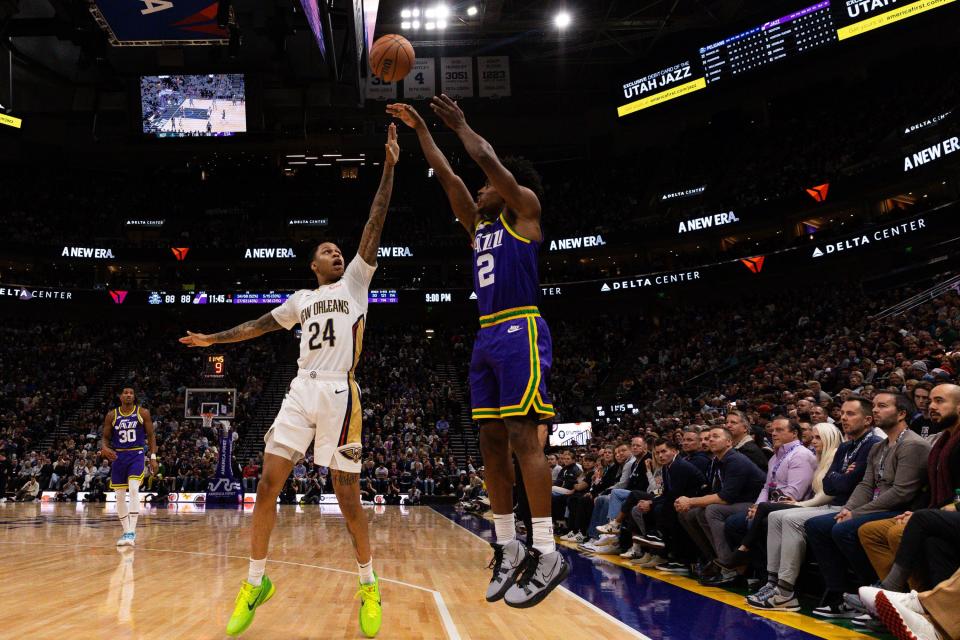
[[370, 241], [250, 329]]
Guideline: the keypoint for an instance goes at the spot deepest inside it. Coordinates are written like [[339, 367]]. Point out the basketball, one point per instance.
[[391, 57]]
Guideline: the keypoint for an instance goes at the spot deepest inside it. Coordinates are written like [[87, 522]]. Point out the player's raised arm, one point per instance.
[[250, 329], [461, 201], [521, 200], [370, 241]]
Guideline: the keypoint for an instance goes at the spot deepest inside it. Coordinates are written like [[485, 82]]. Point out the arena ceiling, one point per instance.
[[58, 40]]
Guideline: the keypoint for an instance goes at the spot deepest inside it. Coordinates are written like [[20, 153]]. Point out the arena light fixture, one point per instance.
[[429, 13], [562, 20], [442, 11], [332, 155], [472, 11], [429, 26], [405, 24], [295, 155], [441, 24], [415, 13], [416, 24], [405, 14]]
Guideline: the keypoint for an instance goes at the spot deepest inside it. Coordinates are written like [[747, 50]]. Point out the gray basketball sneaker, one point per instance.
[[508, 560], [541, 575]]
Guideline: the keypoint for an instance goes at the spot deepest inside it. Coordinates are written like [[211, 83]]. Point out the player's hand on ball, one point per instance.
[[108, 453], [406, 114], [448, 111], [392, 147], [196, 339]]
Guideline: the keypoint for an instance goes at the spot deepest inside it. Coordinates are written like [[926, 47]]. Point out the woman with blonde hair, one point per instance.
[[778, 501], [784, 559]]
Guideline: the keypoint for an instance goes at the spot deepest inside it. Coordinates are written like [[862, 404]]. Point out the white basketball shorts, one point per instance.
[[323, 408]]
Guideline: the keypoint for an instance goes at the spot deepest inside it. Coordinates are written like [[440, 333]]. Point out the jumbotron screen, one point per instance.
[[210, 105]]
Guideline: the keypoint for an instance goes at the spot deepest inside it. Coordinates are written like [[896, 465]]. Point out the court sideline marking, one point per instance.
[[448, 625], [617, 622], [684, 583]]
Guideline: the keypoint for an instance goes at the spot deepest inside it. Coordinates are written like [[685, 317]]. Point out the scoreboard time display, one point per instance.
[[788, 36]]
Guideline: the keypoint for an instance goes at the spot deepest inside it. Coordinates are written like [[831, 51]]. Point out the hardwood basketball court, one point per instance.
[[181, 578]]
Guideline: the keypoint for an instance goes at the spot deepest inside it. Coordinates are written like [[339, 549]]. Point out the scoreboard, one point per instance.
[[813, 27], [776, 40]]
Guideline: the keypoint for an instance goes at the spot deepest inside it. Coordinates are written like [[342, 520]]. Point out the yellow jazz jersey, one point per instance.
[[332, 319]]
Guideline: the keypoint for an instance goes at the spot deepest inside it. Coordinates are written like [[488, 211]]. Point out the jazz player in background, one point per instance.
[[323, 403], [510, 367], [126, 432]]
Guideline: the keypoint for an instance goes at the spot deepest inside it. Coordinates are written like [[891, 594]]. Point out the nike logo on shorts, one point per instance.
[[514, 329], [339, 390]]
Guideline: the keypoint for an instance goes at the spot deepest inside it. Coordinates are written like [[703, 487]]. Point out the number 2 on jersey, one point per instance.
[[328, 335], [485, 275]]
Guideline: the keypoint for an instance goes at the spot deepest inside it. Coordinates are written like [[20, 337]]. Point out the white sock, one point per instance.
[[122, 511], [366, 572], [256, 570], [134, 489], [543, 535], [505, 527]]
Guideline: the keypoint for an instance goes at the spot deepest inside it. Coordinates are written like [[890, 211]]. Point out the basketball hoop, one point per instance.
[[207, 420]]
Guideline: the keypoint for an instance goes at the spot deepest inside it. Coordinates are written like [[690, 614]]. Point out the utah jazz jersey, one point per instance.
[[505, 271], [128, 430], [513, 352]]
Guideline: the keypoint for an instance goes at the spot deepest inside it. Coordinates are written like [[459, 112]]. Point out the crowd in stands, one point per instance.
[[410, 413], [839, 443], [48, 433]]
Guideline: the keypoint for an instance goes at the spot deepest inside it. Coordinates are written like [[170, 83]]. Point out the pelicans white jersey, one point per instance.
[[323, 403], [331, 318]]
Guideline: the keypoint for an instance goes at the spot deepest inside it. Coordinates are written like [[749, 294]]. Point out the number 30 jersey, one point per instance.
[[505, 271], [128, 430], [331, 318]]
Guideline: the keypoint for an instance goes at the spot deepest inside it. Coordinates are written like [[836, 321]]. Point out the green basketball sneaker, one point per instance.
[[249, 598], [371, 614]]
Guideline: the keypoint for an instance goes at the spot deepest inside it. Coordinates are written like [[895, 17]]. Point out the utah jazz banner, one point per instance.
[[148, 23], [224, 488]]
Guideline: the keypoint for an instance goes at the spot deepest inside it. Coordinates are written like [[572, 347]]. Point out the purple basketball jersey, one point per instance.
[[128, 431], [505, 270], [512, 355]]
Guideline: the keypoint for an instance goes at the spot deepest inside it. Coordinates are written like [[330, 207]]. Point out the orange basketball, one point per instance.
[[391, 57]]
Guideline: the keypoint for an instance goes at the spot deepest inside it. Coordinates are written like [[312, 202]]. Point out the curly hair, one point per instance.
[[526, 176]]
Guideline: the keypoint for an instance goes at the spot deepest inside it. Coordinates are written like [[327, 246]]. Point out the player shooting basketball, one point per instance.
[[510, 367], [323, 404]]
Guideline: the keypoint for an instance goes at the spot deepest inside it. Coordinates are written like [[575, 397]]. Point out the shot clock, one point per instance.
[[215, 366]]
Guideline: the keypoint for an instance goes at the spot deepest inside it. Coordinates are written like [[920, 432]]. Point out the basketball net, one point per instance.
[[207, 420]]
